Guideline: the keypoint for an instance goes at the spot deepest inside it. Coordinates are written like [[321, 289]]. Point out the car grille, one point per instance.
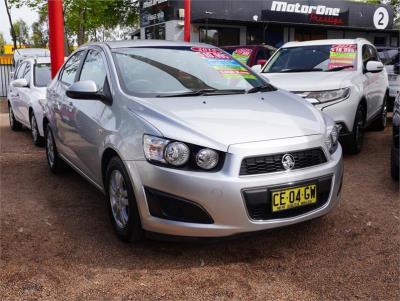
[[259, 207], [273, 163]]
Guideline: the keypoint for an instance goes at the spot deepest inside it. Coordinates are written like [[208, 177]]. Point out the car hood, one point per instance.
[[310, 81], [231, 119]]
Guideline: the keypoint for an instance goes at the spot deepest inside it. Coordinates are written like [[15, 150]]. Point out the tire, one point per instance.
[[355, 141], [394, 169], [380, 123], [121, 202], [14, 124], [36, 138], [56, 164]]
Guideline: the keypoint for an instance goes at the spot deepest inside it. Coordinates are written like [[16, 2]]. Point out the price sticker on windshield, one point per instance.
[[343, 55]]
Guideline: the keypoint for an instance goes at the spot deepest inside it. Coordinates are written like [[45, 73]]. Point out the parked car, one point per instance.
[[391, 59], [395, 154], [27, 96], [251, 54], [343, 78], [24, 53], [186, 141]]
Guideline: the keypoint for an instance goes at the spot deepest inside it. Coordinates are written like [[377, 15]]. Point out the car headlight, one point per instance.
[[207, 158], [327, 96], [178, 154], [331, 139]]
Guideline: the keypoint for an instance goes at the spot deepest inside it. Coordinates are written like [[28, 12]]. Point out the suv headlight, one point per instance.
[[328, 96], [178, 154], [331, 139]]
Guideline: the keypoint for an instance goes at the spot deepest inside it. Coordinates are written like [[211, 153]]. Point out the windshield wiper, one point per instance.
[[263, 88], [301, 70], [204, 92], [340, 68]]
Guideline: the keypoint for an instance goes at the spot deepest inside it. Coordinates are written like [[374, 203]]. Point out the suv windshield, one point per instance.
[[314, 58], [42, 75], [170, 71]]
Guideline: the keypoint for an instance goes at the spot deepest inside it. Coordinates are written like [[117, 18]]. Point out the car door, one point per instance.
[[25, 94], [64, 127], [88, 113], [368, 81], [380, 82], [14, 93]]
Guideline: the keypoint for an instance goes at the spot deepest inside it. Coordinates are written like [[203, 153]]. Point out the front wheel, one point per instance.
[[121, 202], [54, 161], [14, 124], [36, 138], [355, 141]]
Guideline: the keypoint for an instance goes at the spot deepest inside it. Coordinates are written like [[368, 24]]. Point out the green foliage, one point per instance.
[[2, 43], [21, 31]]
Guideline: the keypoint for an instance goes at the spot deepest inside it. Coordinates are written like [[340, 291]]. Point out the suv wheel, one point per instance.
[[14, 124], [121, 202], [53, 159], [37, 139], [381, 121], [355, 141]]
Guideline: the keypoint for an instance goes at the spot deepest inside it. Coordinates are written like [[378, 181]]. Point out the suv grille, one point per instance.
[[273, 163]]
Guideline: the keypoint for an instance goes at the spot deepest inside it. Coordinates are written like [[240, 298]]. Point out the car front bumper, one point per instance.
[[220, 193]]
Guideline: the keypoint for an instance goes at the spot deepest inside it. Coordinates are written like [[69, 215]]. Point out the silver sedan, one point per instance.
[[184, 140]]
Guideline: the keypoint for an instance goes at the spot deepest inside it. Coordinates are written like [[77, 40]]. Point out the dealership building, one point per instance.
[[234, 22]]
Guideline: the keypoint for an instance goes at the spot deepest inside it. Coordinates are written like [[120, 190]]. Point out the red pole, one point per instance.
[[56, 34], [187, 21]]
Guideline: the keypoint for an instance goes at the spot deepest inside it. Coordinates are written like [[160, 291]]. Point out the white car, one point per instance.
[[343, 78], [390, 56], [27, 96]]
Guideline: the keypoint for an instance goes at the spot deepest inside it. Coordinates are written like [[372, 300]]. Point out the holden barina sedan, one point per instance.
[[185, 141]]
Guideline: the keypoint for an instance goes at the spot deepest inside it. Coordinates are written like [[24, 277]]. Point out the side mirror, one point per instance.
[[86, 89], [374, 67], [261, 62], [256, 68], [396, 69], [19, 83]]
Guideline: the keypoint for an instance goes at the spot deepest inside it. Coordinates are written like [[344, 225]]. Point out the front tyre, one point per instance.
[[121, 202], [14, 124], [53, 159], [355, 141], [36, 138]]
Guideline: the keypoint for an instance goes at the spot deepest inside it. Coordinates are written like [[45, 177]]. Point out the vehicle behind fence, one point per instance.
[[5, 68]]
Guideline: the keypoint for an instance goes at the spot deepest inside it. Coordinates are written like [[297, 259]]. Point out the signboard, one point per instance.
[[156, 11]]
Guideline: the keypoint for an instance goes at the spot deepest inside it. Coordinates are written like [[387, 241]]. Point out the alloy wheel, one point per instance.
[[34, 128], [119, 198], [50, 148], [11, 117]]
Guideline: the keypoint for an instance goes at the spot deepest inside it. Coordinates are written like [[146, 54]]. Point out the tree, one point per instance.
[[13, 35], [2, 43], [21, 31]]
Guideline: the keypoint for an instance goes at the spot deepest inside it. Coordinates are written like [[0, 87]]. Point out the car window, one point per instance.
[[27, 73], [41, 74], [261, 55], [374, 53], [20, 72], [70, 68], [366, 54], [336, 57], [94, 69]]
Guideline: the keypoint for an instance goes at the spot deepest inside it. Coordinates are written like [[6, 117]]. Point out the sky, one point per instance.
[[24, 13]]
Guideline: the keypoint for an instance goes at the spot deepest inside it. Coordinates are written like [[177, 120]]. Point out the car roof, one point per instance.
[[327, 42], [32, 52], [150, 43]]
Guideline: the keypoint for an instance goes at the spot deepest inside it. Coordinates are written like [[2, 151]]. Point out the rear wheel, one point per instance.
[[355, 141], [37, 139], [14, 124], [381, 122], [121, 202], [56, 164]]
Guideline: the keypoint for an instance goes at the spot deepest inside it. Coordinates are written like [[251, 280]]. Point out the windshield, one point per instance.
[[42, 75], [314, 58], [162, 71], [241, 54]]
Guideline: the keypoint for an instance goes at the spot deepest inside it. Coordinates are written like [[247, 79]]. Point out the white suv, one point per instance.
[[343, 78]]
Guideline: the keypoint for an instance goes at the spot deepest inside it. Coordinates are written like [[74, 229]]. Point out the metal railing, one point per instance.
[[5, 68]]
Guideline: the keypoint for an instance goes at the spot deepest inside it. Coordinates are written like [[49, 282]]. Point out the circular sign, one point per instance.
[[381, 18]]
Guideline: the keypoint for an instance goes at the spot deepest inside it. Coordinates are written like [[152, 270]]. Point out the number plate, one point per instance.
[[293, 197]]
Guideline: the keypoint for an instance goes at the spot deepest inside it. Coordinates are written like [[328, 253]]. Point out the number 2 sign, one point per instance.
[[381, 18]]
